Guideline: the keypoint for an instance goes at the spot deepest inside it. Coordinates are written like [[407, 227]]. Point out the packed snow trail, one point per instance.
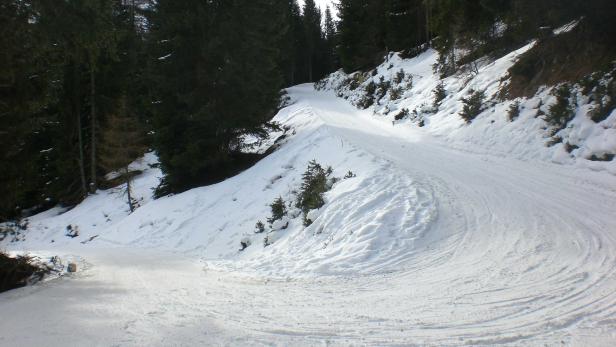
[[515, 253]]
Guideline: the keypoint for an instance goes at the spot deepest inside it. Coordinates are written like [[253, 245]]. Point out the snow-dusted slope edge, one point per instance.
[[370, 223], [427, 245], [410, 86]]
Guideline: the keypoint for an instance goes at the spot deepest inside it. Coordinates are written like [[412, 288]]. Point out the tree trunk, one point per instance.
[[77, 114], [310, 68], [128, 193], [82, 170], [93, 126], [428, 5]]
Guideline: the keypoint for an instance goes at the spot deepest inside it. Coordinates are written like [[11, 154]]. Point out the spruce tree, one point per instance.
[[217, 79], [330, 61], [97, 38], [86, 40], [361, 33], [298, 38], [405, 23], [290, 44], [25, 120], [312, 28]]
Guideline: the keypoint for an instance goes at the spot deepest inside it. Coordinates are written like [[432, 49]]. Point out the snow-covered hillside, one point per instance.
[[405, 88], [442, 236]]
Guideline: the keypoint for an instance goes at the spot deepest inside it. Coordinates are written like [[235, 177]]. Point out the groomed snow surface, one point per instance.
[[433, 242]]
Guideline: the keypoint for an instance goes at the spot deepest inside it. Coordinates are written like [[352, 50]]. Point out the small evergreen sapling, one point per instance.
[[395, 93], [355, 80], [404, 113], [439, 95], [279, 210], [562, 111], [382, 89], [315, 184], [349, 174], [400, 76], [259, 228], [370, 88], [367, 99], [589, 83], [473, 105], [540, 112], [605, 96]]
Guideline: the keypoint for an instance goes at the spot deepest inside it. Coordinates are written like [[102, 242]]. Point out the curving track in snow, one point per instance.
[[510, 253], [521, 252]]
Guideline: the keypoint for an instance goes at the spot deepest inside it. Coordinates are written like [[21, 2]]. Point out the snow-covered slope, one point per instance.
[[433, 242], [97, 212], [353, 234], [410, 85]]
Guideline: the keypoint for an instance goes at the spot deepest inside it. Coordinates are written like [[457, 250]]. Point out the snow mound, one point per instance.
[[370, 224]]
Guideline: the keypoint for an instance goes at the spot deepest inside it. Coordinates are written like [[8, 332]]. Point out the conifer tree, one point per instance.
[[405, 22], [291, 43], [25, 121], [329, 47], [217, 78], [312, 28], [86, 39], [361, 33], [97, 38], [298, 37]]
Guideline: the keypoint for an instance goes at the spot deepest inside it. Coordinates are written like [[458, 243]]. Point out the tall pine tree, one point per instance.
[[26, 109], [361, 31], [329, 55], [217, 78], [312, 28]]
